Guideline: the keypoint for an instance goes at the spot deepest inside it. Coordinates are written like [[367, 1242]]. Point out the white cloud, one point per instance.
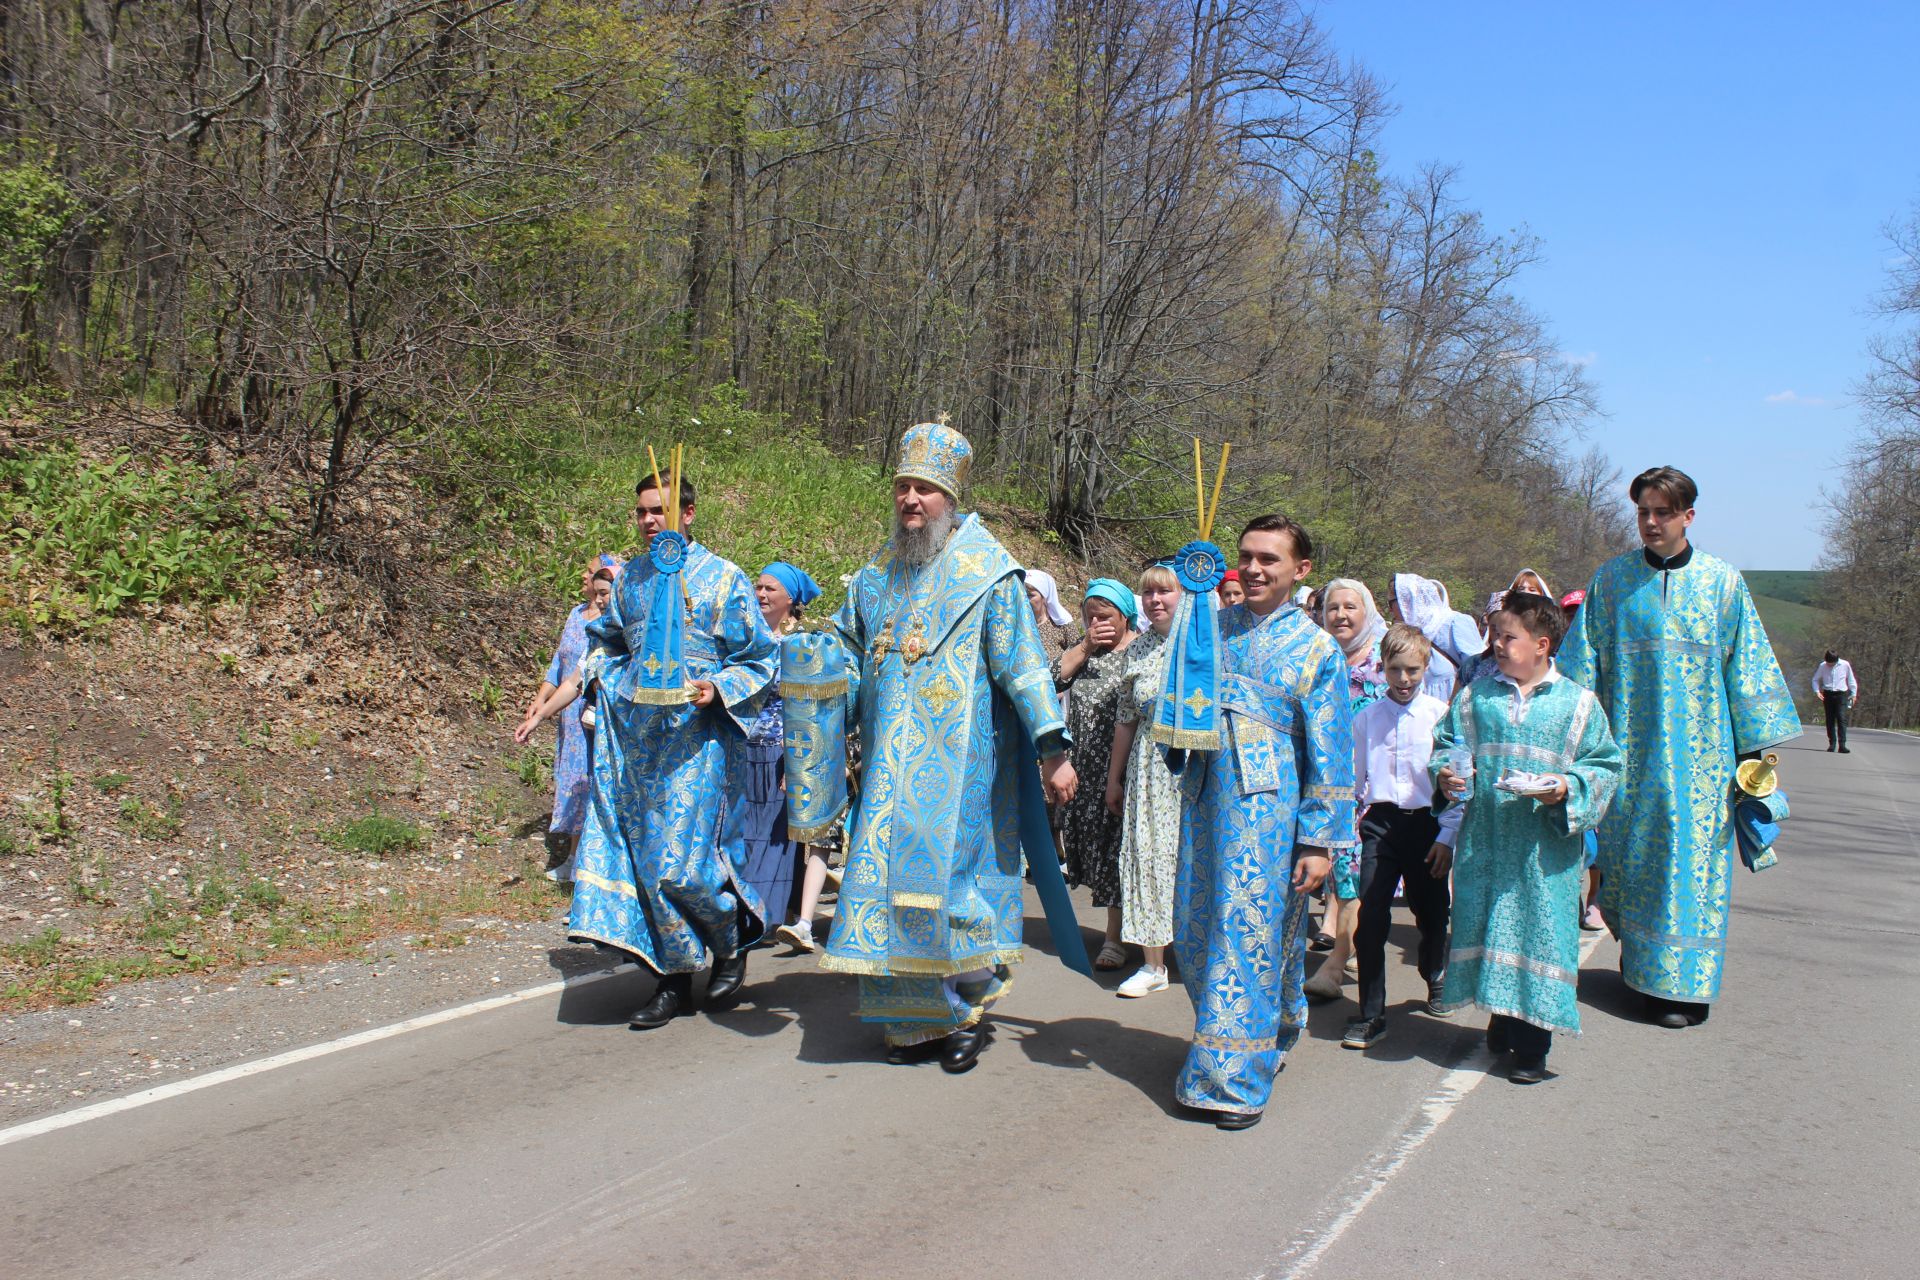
[[1581, 359], [1795, 398]]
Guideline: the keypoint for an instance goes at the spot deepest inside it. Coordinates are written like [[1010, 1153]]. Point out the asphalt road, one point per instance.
[[545, 1139]]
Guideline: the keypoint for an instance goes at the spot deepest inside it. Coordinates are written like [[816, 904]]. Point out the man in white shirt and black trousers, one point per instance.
[[1401, 841], [1834, 685]]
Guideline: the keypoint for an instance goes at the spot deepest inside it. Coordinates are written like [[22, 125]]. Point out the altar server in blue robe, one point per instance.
[[1261, 817], [1669, 640], [660, 856], [955, 700]]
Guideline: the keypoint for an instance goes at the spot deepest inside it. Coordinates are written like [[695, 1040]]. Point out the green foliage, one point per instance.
[[489, 696], [1795, 586], [766, 490], [36, 951], [534, 766], [108, 783], [150, 823], [377, 835], [35, 207], [89, 538]]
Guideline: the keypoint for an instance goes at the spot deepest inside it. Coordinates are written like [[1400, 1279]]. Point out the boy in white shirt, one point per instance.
[[1401, 841]]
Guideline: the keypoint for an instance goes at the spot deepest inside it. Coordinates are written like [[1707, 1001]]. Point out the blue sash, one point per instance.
[[1043, 863], [1187, 717], [813, 698], [659, 661]]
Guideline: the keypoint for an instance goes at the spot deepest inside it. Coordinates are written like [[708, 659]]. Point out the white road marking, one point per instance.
[[240, 1071], [1367, 1182]]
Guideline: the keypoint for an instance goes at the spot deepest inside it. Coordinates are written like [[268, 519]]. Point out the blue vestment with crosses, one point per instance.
[[660, 853], [1282, 778], [952, 688], [1680, 660]]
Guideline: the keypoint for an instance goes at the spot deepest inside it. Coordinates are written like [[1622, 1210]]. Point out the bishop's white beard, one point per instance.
[[918, 546]]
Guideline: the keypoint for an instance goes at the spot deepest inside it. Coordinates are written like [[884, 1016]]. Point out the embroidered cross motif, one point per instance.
[[653, 666], [940, 694], [970, 564], [1198, 702]]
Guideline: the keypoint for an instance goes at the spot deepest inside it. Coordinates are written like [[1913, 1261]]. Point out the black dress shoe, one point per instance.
[[1529, 1070], [1237, 1120], [1436, 988], [1846, 751], [723, 984], [906, 1055], [962, 1048], [673, 998]]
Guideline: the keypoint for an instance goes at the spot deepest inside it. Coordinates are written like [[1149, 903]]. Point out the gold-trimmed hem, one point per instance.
[[813, 690], [1190, 739], [808, 835], [675, 697], [919, 967], [924, 901]]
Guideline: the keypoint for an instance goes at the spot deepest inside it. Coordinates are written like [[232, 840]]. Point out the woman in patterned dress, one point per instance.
[[1095, 670], [1145, 793], [572, 772], [1350, 616], [781, 591]]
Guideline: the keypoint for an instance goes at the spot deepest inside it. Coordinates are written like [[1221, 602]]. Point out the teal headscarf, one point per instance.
[[1117, 594]]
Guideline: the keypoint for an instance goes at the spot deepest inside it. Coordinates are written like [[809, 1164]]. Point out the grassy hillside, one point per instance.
[[1795, 586]]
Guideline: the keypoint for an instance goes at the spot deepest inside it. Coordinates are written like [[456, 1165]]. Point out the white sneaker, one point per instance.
[[799, 935], [1145, 981]]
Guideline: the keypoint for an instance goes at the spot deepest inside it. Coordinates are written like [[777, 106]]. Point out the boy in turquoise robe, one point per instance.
[[1515, 950], [1669, 640]]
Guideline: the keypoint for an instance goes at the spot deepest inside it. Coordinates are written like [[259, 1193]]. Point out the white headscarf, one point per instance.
[[1042, 581], [1371, 628], [1546, 588], [1423, 603]]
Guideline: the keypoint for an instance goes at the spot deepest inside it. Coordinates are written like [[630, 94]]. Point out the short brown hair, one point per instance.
[[647, 482], [1537, 616], [1402, 638], [1671, 482], [1276, 523]]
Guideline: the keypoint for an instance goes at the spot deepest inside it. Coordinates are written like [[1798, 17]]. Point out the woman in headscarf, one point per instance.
[[572, 770], [1350, 616], [782, 591], [1145, 793], [1422, 602], [1230, 591], [1043, 593], [1095, 671], [1482, 663]]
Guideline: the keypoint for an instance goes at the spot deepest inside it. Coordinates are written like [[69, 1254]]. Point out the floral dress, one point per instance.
[[1150, 820], [1366, 685], [1089, 831], [572, 778]]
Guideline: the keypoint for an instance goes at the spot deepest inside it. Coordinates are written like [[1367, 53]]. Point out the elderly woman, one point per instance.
[[781, 591], [1348, 613], [1055, 623], [1145, 793], [572, 774], [1094, 670]]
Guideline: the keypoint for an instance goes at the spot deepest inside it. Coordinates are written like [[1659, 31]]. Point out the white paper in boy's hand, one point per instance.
[[1528, 784]]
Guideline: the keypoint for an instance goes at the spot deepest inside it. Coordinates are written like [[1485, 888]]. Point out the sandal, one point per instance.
[[1112, 956]]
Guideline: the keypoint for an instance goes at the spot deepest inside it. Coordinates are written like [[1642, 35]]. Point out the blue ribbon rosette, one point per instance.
[[1188, 715], [660, 666]]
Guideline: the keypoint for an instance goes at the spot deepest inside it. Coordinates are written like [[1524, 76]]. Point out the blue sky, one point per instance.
[[1709, 182]]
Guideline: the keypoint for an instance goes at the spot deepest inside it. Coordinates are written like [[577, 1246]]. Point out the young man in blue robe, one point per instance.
[[665, 835], [955, 701], [1260, 818], [1670, 642]]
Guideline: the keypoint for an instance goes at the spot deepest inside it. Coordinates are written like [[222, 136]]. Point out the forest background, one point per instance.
[[336, 332]]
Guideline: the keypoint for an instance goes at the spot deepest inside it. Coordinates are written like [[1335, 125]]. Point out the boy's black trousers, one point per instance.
[[1394, 843]]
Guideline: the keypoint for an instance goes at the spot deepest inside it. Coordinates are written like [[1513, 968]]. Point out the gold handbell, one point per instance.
[[1759, 778]]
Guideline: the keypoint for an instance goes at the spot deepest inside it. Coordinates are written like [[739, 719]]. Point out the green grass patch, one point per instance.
[[377, 835], [148, 822], [88, 539], [766, 492], [34, 952], [108, 783], [1795, 586]]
